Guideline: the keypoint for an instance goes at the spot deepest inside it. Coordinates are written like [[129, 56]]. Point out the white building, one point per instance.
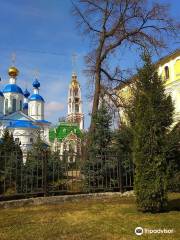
[[22, 114]]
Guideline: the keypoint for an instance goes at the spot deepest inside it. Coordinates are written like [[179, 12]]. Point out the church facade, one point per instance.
[[22, 113], [67, 136]]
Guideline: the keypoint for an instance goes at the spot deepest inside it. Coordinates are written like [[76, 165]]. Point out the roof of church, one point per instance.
[[43, 121], [63, 130], [12, 88], [36, 97], [20, 119], [21, 124]]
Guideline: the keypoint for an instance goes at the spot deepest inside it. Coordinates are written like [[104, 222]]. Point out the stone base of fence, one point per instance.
[[61, 199]]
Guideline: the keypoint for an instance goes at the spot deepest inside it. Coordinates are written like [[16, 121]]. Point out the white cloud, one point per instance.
[[54, 106]]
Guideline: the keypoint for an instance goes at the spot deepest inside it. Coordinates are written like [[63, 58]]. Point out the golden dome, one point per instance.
[[13, 72], [74, 82]]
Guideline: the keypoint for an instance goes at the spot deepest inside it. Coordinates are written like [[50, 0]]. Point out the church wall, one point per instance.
[[172, 83], [8, 102], [36, 110], [25, 137], [171, 80], [45, 134]]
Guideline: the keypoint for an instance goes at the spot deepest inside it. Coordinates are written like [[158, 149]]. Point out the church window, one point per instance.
[[166, 69], [14, 105], [20, 104], [76, 92], [6, 105], [31, 140], [76, 108]]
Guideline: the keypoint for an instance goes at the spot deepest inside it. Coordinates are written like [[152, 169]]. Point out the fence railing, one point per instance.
[[62, 174]]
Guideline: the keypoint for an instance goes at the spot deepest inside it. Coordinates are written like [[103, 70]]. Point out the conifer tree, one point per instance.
[[101, 138], [173, 158], [123, 145], [151, 116], [42, 164], [36, 158], [98, 151], [10, 163]]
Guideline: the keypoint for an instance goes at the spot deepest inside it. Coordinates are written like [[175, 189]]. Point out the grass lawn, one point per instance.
[[109, 218]]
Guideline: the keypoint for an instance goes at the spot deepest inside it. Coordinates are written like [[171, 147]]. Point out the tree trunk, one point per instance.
[[96, 98]]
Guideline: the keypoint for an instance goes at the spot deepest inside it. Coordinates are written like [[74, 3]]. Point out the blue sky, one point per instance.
[[43, 35]]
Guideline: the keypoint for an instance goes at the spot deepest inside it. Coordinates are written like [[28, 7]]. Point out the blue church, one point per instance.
[[22, 113]]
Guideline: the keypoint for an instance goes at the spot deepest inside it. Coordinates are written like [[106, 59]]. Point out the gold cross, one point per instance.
[[13, 58], [74, 57]]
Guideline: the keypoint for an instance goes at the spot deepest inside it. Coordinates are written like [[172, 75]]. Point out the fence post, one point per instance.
[[45, 173], [120, 177]]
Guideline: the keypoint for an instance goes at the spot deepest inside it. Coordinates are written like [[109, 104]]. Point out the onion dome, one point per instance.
[[12, 88], [13, 72], [36, 84], [36, 97], [74, 82], [26, 93], [25, 106]]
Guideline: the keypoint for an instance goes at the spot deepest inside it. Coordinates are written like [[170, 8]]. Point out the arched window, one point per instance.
[[37, 110], [20, 105], [166, 69], [6, 105], [76, 92], [14, 105], [77, 108]]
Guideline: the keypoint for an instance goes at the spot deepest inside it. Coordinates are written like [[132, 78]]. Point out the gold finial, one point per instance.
[[13, 71]]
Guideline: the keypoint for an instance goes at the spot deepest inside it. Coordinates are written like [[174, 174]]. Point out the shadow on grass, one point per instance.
[[174, 205]]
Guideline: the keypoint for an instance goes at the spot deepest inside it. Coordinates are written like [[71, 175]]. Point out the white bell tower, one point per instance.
[[75, 114]]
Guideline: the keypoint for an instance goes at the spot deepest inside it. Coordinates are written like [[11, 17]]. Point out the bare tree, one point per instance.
[[113, 24]]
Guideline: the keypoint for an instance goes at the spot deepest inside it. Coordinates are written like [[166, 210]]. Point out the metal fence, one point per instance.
[[61, 174]]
